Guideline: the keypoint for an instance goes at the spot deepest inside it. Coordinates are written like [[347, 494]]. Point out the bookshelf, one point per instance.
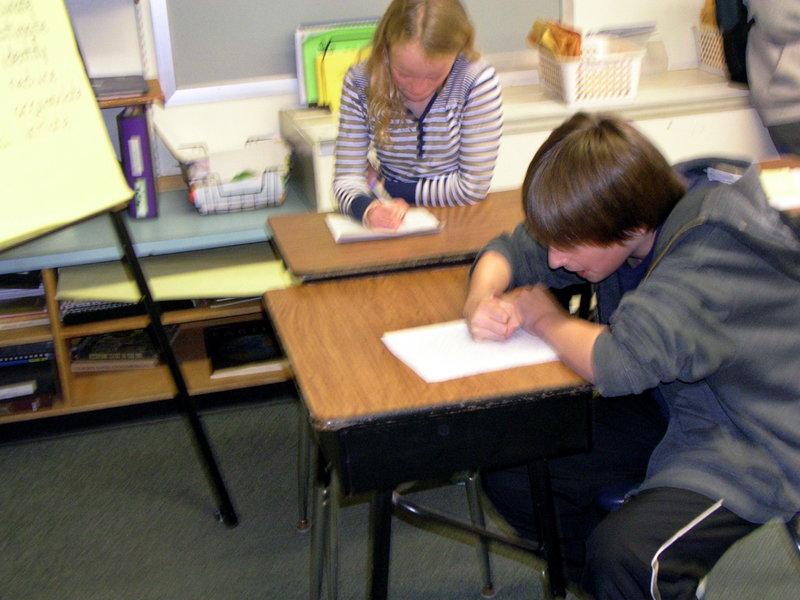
[[81, 392]]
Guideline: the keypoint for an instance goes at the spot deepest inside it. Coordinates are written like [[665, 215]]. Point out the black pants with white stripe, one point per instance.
[[624, 432], [659, 545]]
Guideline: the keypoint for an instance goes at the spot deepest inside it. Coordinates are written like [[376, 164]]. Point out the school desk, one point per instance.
[[380, 425], [308, 250]]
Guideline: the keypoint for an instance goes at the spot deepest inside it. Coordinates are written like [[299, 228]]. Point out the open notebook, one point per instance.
[[782, 186], [418, 221]]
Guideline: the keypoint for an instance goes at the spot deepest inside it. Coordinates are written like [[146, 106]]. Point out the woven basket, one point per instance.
[[606, 73], [710, 53]]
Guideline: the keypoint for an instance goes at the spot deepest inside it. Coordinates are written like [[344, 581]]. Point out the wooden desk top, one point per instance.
[[307, 248], [331, 332]]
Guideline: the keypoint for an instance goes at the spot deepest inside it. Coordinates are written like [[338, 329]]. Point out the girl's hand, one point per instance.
[[386, 214]]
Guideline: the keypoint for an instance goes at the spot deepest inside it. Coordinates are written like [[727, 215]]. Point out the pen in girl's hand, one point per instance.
[[379, 190]]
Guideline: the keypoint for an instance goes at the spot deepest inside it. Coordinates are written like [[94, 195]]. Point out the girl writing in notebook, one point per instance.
[[429, 109]]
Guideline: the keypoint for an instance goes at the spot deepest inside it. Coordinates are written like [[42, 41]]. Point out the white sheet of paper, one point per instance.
[[416, 222], [782, 187], [447, 351]]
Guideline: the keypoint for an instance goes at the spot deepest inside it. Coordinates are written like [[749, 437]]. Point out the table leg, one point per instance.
[[380, 542], [543, 508], [306, 467]]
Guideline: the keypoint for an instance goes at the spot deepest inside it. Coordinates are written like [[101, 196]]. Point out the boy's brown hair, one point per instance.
[[597, 180]]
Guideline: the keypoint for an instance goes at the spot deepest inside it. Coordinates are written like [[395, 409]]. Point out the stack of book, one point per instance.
[[243, 348], [120, 350], [22, 301], [76, 312], [27, 377]]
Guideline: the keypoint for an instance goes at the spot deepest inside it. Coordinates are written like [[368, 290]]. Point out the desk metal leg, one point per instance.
[[543, 508], [306, 467], [380, 544], [227, 513]]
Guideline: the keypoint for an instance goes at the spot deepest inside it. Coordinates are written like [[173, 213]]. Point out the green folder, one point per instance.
[[340, 36]]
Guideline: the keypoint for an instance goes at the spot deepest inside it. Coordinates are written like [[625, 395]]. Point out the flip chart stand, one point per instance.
[[225, 510]]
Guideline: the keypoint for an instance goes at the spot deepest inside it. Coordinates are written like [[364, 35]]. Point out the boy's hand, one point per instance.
[[493, 319], [534, 303]]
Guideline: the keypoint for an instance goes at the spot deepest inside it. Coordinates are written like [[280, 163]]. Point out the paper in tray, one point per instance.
[[244, 179]]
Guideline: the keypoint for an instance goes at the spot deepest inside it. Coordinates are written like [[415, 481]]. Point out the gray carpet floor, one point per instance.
[[125, 513]]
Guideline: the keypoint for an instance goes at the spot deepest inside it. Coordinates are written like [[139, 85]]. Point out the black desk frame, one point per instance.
[[378, 455]]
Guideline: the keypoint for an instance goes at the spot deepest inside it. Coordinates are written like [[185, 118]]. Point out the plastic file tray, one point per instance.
[[247, 179], [606, 73]]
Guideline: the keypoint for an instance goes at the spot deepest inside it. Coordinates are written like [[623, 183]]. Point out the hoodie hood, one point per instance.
[[741, 207]]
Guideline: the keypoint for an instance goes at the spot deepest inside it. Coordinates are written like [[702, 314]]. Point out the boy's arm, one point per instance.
[[488, 317], [572, 338], [490, 276]]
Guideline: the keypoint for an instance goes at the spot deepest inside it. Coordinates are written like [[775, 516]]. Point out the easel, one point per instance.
[[52, 125], [225, 510]]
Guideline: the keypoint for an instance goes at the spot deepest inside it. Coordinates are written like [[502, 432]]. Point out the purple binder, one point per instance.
[[137, 162]]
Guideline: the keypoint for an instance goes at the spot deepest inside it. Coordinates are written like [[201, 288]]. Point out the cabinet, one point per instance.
[[92, 391]]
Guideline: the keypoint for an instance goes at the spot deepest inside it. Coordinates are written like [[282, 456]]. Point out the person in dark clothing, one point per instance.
[[698, 289]]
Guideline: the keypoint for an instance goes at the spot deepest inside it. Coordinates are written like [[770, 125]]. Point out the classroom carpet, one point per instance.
[[123, 512]]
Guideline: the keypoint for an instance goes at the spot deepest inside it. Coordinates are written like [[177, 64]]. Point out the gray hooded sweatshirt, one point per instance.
[[715, 327]]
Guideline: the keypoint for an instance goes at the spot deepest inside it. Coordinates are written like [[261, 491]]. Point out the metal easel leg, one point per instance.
[[227, 514]]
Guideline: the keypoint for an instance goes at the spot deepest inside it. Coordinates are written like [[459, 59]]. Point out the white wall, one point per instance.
[[225, 125], [674, 20]]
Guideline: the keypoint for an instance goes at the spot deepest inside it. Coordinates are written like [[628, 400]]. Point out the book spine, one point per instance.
[[19, 323], [35, 351], [10, 361], [28, 403], [137, 165], [15, 390]]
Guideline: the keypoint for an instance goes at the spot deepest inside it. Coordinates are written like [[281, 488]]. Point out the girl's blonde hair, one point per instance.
[[441, 26]]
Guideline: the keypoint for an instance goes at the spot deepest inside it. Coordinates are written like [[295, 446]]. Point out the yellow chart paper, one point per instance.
[[236, 271], [57, 164]]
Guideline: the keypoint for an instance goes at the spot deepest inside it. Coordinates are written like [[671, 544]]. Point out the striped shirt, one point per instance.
[[446, 157]]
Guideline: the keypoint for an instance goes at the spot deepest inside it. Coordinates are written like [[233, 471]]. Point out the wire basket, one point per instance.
[[209, 195], [239, 180], [710, 52], [606, 73]]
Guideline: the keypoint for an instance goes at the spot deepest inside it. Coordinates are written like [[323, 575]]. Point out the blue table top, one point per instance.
[[178, 228]]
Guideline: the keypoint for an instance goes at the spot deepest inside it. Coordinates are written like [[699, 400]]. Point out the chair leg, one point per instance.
[[318, 541], [332, 526], [477, 518]]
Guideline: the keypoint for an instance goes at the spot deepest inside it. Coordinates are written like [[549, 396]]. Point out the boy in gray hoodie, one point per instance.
[[773, 67], [698, 312]]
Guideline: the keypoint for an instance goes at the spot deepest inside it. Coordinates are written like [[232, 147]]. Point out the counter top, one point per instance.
[[528, 108]]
